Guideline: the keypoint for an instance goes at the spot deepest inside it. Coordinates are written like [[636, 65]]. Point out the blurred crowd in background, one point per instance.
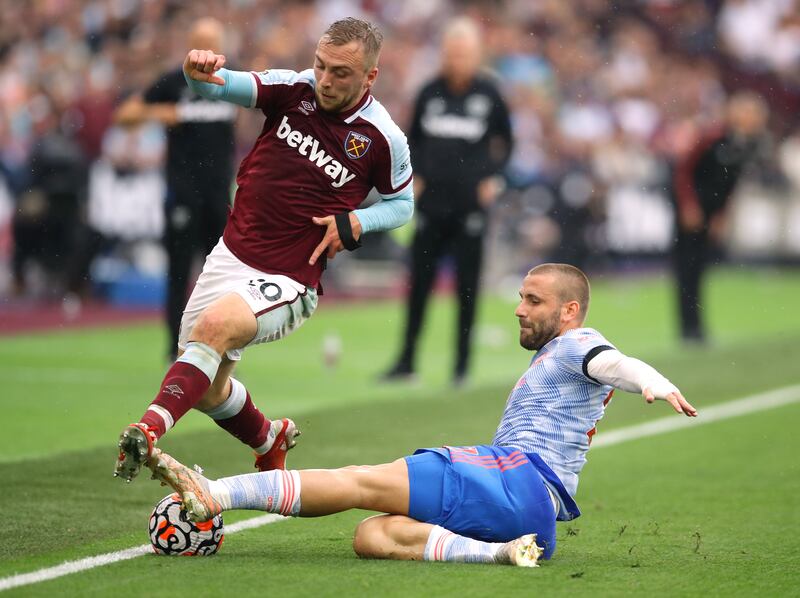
[[605, 98]]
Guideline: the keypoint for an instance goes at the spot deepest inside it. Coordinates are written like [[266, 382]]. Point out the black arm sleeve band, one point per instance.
[[346, 232], [591, 355]]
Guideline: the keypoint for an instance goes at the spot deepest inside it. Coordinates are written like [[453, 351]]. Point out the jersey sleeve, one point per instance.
[[387, 214], [274, 85], [393, 173], [239, 88], [577, 350]]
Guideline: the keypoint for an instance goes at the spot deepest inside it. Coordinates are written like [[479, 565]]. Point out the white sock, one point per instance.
[[274, 429], [444, 545], [232, 405], [203, 357], [276, 491]]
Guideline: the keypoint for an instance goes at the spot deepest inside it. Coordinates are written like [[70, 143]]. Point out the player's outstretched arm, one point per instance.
[[633, 375], [202, 65], [205, 75], [675, 398]]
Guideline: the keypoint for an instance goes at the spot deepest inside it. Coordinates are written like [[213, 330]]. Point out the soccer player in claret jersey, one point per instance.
[[325, 144], [495, 503]]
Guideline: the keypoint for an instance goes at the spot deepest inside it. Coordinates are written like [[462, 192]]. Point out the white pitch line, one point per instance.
[[91, 562], [743, 406], [760, 402]]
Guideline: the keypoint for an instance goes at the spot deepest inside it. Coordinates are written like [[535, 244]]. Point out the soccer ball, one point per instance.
[[174, 534]]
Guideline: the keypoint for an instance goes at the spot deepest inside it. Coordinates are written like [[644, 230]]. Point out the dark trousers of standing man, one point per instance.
[[690, 257], [194, 223], [460, 235]]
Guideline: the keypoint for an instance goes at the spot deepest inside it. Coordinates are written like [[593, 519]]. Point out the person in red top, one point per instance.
[[326, 142]]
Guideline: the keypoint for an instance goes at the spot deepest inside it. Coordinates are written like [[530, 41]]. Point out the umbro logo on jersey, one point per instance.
[[308, 146], [306, 107], [356, 145]]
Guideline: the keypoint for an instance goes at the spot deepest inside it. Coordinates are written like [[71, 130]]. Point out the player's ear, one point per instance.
[[570, 310], [372, 74]]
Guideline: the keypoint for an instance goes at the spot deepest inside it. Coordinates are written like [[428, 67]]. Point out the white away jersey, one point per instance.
[[553, 409]]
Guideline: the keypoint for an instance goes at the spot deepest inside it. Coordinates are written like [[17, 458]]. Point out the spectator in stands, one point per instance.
[[704, 181], [654, 70], [48, 219]]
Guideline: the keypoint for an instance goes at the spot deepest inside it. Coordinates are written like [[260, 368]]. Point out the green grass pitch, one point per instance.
[[708, 510]]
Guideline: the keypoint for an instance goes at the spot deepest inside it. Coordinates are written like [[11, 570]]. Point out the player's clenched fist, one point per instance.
[[201, 65]]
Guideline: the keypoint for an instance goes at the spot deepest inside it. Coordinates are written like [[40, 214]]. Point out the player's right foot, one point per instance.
[[194, 489], [286, 434], [524, 552], [135, 447]]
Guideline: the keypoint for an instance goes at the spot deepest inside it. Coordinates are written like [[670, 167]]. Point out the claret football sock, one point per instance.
[[239, 416], [184, 385], [276, 491], [444, 545]]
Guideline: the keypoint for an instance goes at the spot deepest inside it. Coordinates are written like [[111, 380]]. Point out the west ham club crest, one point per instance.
[[356, 145]]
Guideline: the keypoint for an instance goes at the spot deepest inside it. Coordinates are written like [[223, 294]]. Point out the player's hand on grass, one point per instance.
[[331, 241], [674, 398], [201, 65]]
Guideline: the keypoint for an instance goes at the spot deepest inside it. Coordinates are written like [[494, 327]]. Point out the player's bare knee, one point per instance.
[[369, 538], [211, 328]]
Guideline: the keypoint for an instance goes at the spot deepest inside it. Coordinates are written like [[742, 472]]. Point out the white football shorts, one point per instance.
[[280, 304]]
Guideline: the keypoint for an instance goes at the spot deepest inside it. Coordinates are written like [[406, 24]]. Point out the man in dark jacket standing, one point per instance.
[[704, 182], [460, 141]]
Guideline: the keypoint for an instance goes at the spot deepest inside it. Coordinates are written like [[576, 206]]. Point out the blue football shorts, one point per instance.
[[489, 493]]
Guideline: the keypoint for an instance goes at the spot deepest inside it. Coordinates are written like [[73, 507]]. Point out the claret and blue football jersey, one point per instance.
[[305, 163]]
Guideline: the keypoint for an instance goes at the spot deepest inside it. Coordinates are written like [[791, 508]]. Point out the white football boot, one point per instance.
[[523, 552]]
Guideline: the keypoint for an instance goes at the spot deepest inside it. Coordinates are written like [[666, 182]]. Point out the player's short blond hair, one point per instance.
[[573, 284], [351, 29]]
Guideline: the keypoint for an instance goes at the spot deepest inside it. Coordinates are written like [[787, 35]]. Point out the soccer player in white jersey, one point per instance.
[[495, 503]]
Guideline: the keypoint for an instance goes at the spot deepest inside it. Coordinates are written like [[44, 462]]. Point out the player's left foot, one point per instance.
[[286, 434], [135, 447], [194, 488], [524, 552]]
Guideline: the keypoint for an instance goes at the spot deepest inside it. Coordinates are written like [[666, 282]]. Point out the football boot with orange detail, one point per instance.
[[192, 486], [136, 444], [285, 433]]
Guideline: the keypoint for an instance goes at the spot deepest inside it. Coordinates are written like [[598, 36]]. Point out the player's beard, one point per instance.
[[333, 105], [535, 335]]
